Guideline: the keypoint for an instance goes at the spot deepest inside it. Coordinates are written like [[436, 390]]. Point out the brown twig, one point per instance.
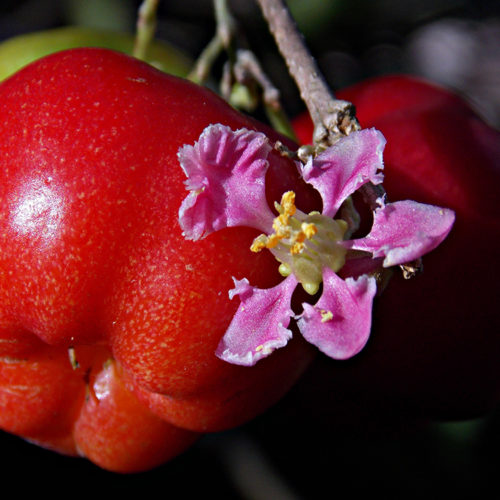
[[331, 117]]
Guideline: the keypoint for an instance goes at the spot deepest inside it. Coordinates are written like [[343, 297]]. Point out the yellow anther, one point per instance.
[[273, 240], [282, 219], [309, 229], [297, 247], [326, 316], [288, 203], [280, 226], [259, 243], [300, 237]]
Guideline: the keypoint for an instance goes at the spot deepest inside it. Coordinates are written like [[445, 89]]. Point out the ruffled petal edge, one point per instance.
[[225, 172]]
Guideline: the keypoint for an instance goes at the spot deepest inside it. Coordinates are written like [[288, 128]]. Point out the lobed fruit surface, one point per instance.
[[93, 264]]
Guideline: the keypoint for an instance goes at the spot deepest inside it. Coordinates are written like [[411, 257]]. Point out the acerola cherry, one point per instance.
[[435, 346], [93, 264]]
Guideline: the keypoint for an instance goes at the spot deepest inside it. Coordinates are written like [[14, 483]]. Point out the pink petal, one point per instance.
[[340, 322], [226, 178], [404, 231], [343, 168], [259, 326]]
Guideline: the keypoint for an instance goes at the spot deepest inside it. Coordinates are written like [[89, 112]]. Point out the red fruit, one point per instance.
[[435, 346], [92, 258]]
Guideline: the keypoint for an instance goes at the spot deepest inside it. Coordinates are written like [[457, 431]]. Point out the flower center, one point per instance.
[[304, 243]]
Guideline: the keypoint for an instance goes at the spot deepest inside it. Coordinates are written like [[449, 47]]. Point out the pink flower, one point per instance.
[[226, 172]]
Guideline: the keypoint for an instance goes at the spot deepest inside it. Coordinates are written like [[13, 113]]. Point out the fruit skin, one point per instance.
[[21, 50], [435, 345], [93, 263]]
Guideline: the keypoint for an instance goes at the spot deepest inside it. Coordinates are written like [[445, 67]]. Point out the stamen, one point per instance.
[[304, 243], [297, 247], [259, 243], [326, 316], [288, 203], [273, 241], [281, 225], [309, 229]]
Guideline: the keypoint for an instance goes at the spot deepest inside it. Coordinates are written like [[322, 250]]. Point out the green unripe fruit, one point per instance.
[[19, 51]]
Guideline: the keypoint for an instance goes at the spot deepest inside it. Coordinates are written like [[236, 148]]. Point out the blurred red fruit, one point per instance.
[[435, 345]]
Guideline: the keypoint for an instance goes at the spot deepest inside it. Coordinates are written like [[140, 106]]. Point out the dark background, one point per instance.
[[453, 42], [283, 454]]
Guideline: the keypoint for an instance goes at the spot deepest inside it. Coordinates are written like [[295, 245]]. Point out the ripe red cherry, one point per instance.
[[93, 263], [435, 344]]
